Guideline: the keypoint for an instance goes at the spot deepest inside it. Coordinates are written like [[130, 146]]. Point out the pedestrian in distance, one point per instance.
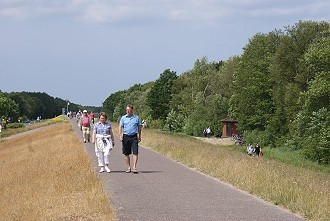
[[258, 151], [208, 132], [144, 124], [92, 116], [130, 135], [78, 115], [204, 132], [104, 141], [3, 123], [85, 124], [250, 150]]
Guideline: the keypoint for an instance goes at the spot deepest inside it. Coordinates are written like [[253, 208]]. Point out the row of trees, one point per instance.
[[278, 90], [30, 105], [189, 102], [281, 90]]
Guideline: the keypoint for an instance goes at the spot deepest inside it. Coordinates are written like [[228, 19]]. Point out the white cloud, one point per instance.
[[108, 13], [316, 8], [270, 12], [194, 11], [7, 1], [24, 10], [201, 12], [14, 13]]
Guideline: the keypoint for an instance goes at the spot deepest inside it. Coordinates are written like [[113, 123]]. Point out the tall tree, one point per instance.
[[109, 105], [8, 107], [160, 95], [220, 80], [289, 74], [251, 102], [182, 97], [311, 127]]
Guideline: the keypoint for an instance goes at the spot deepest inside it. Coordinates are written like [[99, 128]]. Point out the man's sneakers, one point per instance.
[[107, 169], [103, 169]]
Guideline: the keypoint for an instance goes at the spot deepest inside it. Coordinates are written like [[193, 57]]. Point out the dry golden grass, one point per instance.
[[47, 176], [12, 131], [302, 191]]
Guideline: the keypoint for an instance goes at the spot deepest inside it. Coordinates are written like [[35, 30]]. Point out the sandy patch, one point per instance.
[[226, 141]]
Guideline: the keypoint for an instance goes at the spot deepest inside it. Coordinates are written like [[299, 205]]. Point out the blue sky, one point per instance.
[[84, 50]]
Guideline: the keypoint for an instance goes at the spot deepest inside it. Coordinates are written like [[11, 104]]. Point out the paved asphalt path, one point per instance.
[[166, 190]]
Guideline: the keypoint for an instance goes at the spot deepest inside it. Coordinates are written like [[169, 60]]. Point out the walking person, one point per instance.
[[78, 116], [257, 150], [204, 132], [85, 124], [250, 150], [130, 135], [208, 132], [92, 116], [102, 133]]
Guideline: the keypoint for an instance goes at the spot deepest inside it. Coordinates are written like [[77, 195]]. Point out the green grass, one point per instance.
[[303, 189], [282, 154], [294, 157], [287, 156]]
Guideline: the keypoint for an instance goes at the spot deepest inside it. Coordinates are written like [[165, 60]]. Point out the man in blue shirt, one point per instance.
[[130, 135]]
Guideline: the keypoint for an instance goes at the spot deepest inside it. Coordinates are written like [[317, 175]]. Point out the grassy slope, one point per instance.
[[301, 190], [297, 188], [46, 175]]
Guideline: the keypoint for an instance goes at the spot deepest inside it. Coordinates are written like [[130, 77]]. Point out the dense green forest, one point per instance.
[[30, 105], [278, 90]]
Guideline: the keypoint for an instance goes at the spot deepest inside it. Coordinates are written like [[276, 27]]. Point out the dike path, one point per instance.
[[166, 190]]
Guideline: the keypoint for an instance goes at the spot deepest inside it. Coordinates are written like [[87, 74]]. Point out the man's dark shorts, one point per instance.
[[130, 142]]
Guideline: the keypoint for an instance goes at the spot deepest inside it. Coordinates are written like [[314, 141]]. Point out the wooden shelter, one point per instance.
[[229, 127]]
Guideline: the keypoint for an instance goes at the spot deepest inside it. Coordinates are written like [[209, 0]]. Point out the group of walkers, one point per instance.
[[254, 151], [103, 139]]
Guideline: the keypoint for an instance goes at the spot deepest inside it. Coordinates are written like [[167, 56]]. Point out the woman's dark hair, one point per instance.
[[130, 106], [104, 115]]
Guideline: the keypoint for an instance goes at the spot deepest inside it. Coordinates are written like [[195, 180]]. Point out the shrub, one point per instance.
[[156, 124], [176, 120], [195, 128], [317, 144], [293, 143], [257, 136], [14, 125]]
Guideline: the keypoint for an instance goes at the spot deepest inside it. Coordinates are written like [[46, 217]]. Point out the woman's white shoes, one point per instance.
[[103, 169], [107, 169]]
